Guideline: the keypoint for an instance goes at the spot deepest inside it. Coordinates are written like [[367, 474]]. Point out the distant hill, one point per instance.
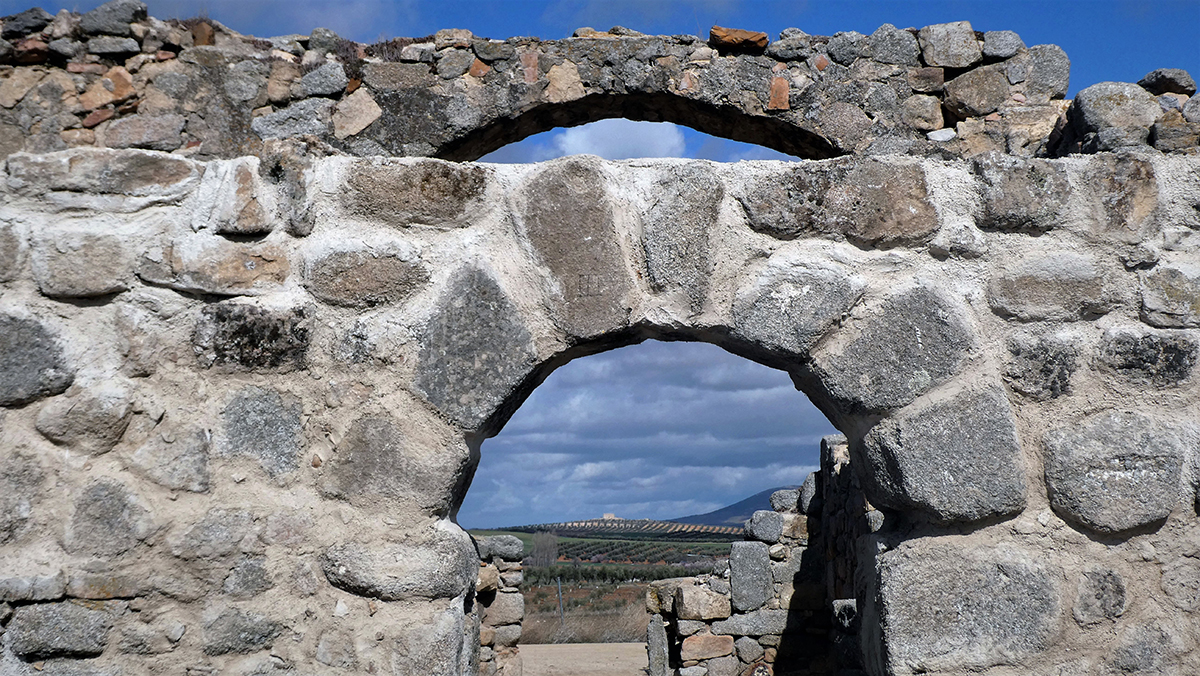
[[637, 529], [735, 514]]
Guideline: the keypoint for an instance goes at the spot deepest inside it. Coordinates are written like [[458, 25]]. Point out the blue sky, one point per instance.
[[667, 429]]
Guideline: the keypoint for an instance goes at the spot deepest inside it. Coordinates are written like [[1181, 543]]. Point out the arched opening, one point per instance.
[[726, 121], [598, 472]]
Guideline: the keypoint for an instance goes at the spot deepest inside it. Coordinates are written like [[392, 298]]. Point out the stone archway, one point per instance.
[[293, 419]]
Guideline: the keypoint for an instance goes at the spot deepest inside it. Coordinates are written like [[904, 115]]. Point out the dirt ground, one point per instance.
[[584, 659]]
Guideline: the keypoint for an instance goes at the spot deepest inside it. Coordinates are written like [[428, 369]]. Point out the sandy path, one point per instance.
[[584, 659]]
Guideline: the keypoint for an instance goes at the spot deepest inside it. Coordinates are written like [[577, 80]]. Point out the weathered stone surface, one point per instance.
[[657, 647], [750, 575], [1049, 75], [326, 80], [698, 603], [103, 584], [113, 47], [1040, 367], [569, 222], [1145, 649], [704, 646], [475, 352], [235, 200], [64, 629], [355, 113], [379, 458], [1181, 583], [505, 547], [335, 648], [1164, 80], [748, 650], [792, 303], [248, 578], [215, 265], [151, 132], [262, 424], [134, 173], [32, 20], [31, 361], [77, 263], [108, 520], [1160, 359], [1114, 104], [33, 587], [113, 18], [249, 336], [1115, 472], [676, 226], [957, 460], [20, 478], [756, 623], [1060, 287], [846, 46], [176, 459], [239, 632], [218, 534], [950, 45], [923, 113], [505, 608], [1126, 196], [1020, 194], [1101, 596], [736, 40], [1001, 44], [874, 202], [11, 245], [889, 44], [416, 192], [365, 277], [442, 568], [1171, 296], [310, 116], [435, 649], [916, 339], [765, 526], [951, 608], [786, 500], [91, 421], [977, 92]]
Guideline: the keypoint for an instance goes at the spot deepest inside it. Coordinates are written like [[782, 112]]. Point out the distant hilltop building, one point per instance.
[[610, 516]]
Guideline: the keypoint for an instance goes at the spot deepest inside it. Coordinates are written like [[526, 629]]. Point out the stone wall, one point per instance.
[[499, 606], [242, 393], [116, 77]]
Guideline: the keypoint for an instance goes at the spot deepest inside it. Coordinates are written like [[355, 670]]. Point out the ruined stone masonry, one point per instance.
[[248, 355]]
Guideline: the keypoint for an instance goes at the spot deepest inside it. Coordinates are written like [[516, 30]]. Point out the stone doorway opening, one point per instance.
[[603, 453]]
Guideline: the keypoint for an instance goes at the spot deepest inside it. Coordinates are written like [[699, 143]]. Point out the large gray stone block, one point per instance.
[[914, 340], [435, 648], [1125, 197], [218, 534], [657, 646], [381, 457], [764, 526], [568, 219], [91, 421], [239, 632], [65, 629], [475, 352], [1114, 104], [1041, 366], [113, 18], [108, 520], [957, 460], [950, 45], [505, 547], [251, 337], [505, 608], [1150, 648], [81, 264], [364, 278], [791, 304], [977, 92], [750, 575], [260, 423], [1049, 75], [310, 116], [757, 623], [687, 201], [955, 608], [415, 192], [443, 567], [1171, 296], [31, 361], [176, 459], [1019, 194], [889, 44], [1115, 472], [1157, 358], [1060, 286], [33, 587]]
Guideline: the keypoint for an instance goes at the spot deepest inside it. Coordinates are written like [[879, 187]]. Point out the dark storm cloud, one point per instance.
[[658, 430]]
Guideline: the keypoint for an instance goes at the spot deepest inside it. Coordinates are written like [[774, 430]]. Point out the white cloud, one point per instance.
[[620, 139]]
